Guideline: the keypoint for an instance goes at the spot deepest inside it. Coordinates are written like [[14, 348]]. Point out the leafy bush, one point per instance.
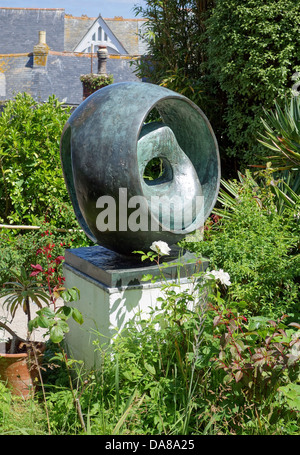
[[96, 81], [32, 186], [259, 352], [18, 249], [260, 250], [259, 361], [252, 54], [231, 58], [195, 366]]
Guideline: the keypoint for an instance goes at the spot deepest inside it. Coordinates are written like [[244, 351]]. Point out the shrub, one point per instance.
[[31, 180], [231, 59], [96, 81], [252, 54], [282, 134], [259, 248], [18, 249], [196, 366]]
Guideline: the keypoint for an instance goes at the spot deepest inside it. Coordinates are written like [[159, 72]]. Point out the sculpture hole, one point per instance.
[[153, 116], [157, 171]]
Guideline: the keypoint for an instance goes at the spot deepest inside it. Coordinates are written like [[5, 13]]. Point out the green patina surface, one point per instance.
[[106, 146]]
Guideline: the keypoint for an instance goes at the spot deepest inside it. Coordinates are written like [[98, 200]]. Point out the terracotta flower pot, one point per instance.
[[20, 372], [87, 91]]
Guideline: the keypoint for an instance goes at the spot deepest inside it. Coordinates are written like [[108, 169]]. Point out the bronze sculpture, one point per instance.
[[105, 148]]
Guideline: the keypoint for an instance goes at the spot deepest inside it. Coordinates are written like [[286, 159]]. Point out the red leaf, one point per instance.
[[59, 259], [34, 273], [295, 324], [37, 267]]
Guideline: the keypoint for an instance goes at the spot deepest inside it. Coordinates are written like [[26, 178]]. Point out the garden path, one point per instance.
[[19, 323]]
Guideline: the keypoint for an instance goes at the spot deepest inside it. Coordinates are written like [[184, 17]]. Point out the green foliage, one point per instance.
[[31, 180], [19, 417], [231, 58], [259, 248], [174, 33], [257, 357], [154, 169], [55, 320], [252, 54], [282, 189], [292, 394], [195, 365], [282, 134], [18, 293], [261, 353], [96, 81], [22, 248]]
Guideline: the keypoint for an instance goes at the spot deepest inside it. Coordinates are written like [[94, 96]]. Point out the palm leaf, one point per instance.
[[282, 133], [19, 292]]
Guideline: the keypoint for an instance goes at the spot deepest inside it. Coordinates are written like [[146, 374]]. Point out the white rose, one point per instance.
[[160, 248], [220, 275]]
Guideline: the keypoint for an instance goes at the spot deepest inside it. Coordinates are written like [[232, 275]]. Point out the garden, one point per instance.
[[226, 357]]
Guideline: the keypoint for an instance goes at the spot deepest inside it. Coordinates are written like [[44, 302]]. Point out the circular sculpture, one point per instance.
[[106, 146]]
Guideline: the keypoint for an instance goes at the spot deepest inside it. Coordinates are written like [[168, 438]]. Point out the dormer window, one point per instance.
[[99, 34]]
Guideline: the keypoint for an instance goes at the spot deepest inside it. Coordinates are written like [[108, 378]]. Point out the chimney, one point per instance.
[[42, 37], [40, 51], [102, 58]]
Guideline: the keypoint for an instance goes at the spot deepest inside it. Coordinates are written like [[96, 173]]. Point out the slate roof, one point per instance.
[[24, 68]]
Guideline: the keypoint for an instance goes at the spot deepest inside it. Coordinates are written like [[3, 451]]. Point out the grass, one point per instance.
[[21, 417], [125, 398]]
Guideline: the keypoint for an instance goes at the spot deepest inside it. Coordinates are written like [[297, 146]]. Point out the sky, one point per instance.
[[92, 8]]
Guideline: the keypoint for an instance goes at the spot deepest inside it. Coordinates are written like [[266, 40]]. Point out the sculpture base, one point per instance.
[[112, 293]]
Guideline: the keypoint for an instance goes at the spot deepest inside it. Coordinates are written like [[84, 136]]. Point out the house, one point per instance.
[[44, 51]]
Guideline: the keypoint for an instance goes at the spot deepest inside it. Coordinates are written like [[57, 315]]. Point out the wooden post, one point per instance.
[[92, 48]]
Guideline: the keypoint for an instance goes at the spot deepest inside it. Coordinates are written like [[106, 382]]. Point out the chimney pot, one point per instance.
[[42, 37], [102, 58]]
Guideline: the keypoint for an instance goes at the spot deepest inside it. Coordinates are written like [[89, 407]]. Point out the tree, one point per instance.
[[174, 31], [232, 58]]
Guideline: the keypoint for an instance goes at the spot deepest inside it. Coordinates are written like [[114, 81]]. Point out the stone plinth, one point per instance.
[[112, 293]]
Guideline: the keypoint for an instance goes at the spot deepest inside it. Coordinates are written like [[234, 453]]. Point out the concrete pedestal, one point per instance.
[[111, 293]]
